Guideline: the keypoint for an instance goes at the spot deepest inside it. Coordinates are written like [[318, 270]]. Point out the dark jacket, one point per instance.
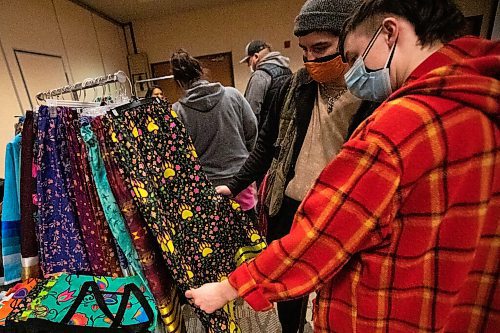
[[270, 75], [265, 150]]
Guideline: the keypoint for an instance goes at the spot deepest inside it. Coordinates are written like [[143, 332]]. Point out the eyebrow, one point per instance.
[[319, 44]]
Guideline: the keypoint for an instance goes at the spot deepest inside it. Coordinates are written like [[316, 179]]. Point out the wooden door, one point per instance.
[[216, 68]]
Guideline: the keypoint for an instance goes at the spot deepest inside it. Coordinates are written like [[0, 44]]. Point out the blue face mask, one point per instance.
[[366, 84]]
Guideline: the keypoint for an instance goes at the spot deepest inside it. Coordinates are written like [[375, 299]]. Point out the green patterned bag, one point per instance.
[[89, 304]]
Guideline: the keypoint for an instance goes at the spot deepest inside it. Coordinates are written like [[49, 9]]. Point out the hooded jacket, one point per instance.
[[270, 74], [400, 232], [222, 126]]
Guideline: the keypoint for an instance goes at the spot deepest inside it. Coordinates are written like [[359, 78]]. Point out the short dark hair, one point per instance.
[[149, 93], [185, 68], [434, 20]]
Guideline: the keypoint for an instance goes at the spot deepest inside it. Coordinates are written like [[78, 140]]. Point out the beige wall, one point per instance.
[[89, 45], [223, 29], [229, 28]]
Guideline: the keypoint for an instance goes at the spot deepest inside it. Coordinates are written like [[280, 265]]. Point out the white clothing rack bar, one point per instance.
[[119, 76], [166, 77]]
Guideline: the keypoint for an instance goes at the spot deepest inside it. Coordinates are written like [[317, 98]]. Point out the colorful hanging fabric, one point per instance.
[[154, 268], [111, 208], [203, 235], [60, 242], [11, 215], [29, 245], [95, 231]]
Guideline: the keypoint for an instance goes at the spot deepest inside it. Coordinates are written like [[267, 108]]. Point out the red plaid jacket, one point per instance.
[[401, 231]]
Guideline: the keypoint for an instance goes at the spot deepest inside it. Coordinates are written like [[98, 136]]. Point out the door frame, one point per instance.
[[19, 51], [230, 54]]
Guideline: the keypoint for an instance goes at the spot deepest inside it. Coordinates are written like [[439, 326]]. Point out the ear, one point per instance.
[[390, 30]]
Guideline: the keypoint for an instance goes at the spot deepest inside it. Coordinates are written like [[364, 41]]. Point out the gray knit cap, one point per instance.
[[323, 15]]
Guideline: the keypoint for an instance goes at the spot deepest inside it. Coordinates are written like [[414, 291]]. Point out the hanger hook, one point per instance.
[[103, 92], [130, 84], [115, 97]]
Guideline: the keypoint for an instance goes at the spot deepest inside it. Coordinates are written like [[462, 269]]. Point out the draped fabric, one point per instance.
[[203, 235], [19, 292], [29, 245], [111, 209], [60, 242], [11, 216], [30, 290], [154, 268], [96, 234]]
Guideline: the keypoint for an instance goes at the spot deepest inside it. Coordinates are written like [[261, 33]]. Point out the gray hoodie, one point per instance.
[[260, 81], [222, 126]]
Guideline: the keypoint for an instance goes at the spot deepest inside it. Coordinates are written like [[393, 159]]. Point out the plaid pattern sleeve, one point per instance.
[[335, 221], [401, 231]]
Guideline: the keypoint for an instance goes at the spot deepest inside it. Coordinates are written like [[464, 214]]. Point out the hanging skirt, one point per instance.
[[29, 245], [109, 204], [203, 235], [154, 268], [60, 242], [96, 234]]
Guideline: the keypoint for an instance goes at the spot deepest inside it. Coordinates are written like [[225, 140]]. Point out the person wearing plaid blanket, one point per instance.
[[401, 231]]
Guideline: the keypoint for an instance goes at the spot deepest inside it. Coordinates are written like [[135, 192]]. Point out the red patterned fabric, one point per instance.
[[29, 245], [97, 236]]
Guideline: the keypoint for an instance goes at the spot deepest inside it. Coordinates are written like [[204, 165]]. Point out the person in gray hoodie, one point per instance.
[[219, 120], [269, 72]]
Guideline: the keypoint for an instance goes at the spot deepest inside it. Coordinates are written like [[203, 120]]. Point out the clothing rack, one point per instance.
[[166, 77], [119, 77]]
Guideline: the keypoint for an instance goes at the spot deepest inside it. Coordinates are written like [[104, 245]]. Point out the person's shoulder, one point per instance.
[[302, 75], [179, 109], [232, 91], [260, 75], [176, 106], [399, 120]]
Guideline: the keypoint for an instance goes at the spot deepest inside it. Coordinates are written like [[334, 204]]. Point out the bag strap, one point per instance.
[[116, 321], [132, 288], [81, 295]]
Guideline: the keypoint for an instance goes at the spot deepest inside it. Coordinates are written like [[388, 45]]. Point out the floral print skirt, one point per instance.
[[203, 235]]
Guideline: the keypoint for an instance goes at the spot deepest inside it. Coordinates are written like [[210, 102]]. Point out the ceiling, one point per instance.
[[131, 10]]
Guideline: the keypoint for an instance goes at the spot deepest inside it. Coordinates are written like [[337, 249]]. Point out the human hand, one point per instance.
[[212, 296], [224, 190]]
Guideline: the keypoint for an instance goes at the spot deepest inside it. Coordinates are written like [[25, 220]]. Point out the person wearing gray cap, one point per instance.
[[269, 70], [312, 115], [400, 233]]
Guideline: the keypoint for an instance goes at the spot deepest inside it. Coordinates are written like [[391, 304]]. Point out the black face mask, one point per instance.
[[322, 59]]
